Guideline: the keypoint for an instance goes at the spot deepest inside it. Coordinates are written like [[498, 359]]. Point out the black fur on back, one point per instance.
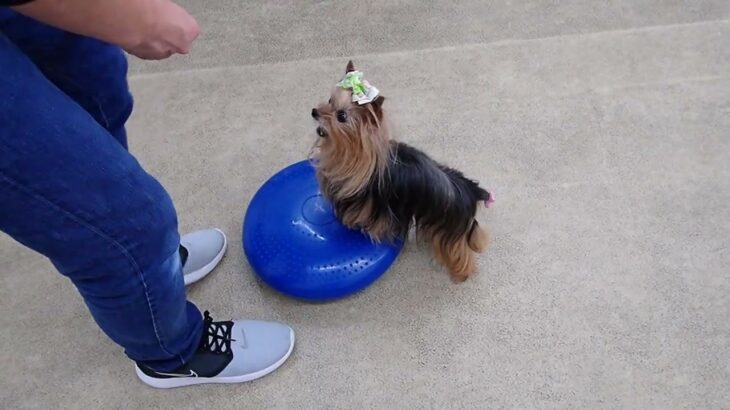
[[418, 189]]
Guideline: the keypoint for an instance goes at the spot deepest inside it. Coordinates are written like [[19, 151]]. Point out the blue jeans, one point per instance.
[[70, 190]]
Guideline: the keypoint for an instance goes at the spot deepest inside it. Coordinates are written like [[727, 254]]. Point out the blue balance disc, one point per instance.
[[294, 242]]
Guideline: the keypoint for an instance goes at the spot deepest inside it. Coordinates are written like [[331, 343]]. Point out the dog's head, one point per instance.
[[343, 118], [354, 137]]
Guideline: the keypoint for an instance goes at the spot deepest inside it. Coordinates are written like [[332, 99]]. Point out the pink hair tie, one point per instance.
[[489, 201]]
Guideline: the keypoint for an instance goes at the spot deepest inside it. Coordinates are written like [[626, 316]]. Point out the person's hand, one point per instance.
[[148, 29], [172, 31]]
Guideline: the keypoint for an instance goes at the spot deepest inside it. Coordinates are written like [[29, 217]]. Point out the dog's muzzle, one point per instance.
[[320, 130]]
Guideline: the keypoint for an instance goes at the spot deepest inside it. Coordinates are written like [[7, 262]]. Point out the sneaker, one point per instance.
[[229, 352], [200, 252]]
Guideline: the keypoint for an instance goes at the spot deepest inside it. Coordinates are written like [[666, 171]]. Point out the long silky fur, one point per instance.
[[384, 187]]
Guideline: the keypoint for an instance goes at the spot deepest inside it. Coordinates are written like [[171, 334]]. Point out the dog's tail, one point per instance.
[[481, 194]]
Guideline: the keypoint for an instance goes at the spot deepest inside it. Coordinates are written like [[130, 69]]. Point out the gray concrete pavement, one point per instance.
[[603, 129]]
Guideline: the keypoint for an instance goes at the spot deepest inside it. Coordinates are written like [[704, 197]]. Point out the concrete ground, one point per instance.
[[602, 127]]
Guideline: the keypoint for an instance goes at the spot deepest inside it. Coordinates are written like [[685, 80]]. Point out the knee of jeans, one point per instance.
[[140, 233], [155, 229]]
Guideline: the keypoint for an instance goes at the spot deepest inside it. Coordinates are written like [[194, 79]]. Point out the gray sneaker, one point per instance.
[[200, 252], [229, 352]]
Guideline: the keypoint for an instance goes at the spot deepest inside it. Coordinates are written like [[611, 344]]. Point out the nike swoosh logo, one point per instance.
[[191, 374]]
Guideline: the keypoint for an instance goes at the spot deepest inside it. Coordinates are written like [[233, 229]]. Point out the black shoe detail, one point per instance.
[[216, 336], [183, 255], [213, 354]]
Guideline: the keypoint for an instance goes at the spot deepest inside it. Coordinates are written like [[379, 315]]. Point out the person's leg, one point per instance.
[[73, 193], [93, 73], [69, 191]]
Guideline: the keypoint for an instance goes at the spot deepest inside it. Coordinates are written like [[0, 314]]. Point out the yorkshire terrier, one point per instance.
[[384, 187]]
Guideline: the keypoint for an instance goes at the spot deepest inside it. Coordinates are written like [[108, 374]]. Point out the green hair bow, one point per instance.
[[362, 91]]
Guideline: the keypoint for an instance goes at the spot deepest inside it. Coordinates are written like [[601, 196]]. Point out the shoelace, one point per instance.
[[216, 336]]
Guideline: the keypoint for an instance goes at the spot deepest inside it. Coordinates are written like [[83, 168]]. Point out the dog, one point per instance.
[[384, 187]]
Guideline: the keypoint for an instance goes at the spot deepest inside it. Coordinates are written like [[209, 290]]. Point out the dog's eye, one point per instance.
[[329, 101], [341, 116]]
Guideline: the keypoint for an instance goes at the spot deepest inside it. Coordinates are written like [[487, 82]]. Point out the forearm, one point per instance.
[[126, 23]]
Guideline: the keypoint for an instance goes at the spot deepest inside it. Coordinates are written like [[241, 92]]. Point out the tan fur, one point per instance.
[[348, 162], [355, 154], [346, 159], [457, 257], [479, 239], [379, 230]]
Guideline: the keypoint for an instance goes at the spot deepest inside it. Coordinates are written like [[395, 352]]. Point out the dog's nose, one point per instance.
[[315, 113]]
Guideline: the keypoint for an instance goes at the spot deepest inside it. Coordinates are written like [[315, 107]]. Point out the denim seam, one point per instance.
[[106, 237]]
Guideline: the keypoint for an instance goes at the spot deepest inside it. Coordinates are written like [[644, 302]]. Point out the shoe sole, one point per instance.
[[199, 274], [192, 381]]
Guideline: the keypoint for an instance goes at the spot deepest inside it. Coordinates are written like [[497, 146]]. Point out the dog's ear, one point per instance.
[[377, 104], [350, 67]]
